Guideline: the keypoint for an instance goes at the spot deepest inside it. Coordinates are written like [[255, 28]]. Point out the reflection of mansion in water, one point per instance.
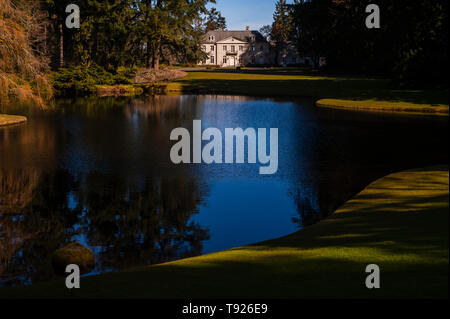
[[237, 48]]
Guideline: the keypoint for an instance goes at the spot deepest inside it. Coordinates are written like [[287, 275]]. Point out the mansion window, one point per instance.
[[232, 48], [212, 58], [211, 38], [212, 48], [224, 47], [241, 48], [224, 59], [240, 60]]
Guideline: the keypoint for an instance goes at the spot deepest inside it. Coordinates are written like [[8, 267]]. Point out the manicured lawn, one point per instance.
[[374, 105], [399, 222], [11, 119], [292, 82]]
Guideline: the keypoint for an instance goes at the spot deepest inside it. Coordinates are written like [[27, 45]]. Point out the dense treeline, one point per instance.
[[117, 33], [411, 45]]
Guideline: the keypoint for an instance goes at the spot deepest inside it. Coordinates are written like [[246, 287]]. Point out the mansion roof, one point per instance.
[[245, 36]]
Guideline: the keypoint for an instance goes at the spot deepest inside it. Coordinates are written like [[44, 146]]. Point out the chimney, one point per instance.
[[247, 28]]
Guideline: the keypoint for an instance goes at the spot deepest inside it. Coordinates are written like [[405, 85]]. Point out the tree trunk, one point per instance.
[[277, 54], [45, 39], [156, 54], [149, 57], [61, 46]]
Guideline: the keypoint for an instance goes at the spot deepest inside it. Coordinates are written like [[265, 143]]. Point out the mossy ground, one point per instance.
[[399, 222], [11, 119], [374, 105]]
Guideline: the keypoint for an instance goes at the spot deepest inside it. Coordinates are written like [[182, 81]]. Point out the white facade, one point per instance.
[[243, 48]]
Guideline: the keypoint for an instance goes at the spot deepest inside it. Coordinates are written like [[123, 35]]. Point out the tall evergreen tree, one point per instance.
[[169, 24], [215, 21], [105, 33], [57, 13], [282, 25], [312, 27]]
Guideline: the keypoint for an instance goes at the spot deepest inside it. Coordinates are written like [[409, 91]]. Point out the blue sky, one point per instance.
[[242, 13]]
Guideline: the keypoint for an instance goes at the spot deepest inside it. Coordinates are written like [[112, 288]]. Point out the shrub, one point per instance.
[[122, 79], [83, 80], [22, 69]]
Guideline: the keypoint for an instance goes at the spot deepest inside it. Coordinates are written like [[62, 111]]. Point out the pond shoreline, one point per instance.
[[332, 91], [383, 106], [7, 120], [350, 92], [384, 224]]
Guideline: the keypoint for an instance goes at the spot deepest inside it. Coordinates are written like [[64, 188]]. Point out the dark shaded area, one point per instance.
[[127, 223], [409, 46]]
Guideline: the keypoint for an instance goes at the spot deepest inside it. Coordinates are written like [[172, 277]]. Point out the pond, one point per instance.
[[98, 170]]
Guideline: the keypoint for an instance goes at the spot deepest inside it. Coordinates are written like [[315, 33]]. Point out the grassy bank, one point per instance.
[[11, 119], [373, 105], [290, 82], [399, 222]]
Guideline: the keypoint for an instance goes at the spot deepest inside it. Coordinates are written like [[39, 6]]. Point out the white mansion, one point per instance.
[[235, 48]]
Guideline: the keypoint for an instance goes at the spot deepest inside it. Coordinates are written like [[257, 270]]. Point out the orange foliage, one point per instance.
[[22, 66]]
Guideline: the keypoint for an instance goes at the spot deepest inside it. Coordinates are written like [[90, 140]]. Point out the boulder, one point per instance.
[[73, 253]]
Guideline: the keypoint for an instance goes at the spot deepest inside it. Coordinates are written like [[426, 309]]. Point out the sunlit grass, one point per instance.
[[374, 105], [339, 91], [11, 119], [399, 222]]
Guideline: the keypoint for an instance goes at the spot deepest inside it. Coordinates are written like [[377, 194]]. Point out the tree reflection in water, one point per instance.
[[125, 223]]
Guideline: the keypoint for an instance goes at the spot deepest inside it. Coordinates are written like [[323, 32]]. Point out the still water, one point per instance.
[[99, 171]]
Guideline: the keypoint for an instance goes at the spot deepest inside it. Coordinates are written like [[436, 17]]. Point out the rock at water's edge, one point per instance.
[[73, 253]]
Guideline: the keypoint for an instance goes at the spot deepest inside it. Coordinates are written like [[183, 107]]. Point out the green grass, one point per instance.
[[399, 222], [11, 119], [291, 82], [373, 105]]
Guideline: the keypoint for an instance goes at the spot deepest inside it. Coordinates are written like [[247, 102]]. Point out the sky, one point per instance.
[[242, 13]]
